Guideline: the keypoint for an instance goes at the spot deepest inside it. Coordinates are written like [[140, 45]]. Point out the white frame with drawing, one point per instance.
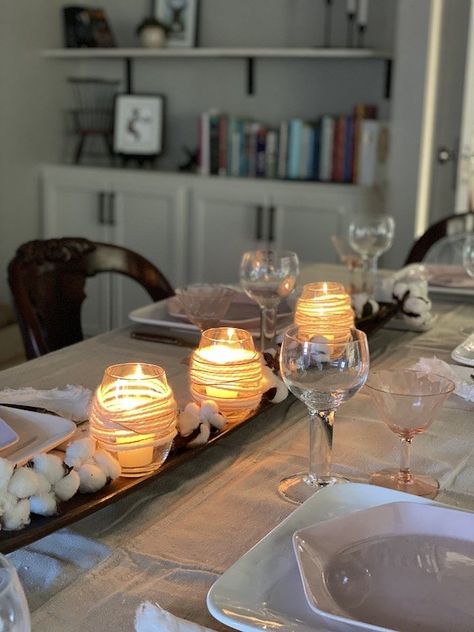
[[186, 13], [138, 124]]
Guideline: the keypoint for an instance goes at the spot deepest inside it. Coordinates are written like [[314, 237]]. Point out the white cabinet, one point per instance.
[[125, 208], [226, 219]]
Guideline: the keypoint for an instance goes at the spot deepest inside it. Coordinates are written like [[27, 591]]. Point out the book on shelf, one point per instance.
[[344, 148]]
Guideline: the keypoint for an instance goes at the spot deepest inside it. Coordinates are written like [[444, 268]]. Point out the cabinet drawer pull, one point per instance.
[[102, 208], [259, 225], [271, 228]]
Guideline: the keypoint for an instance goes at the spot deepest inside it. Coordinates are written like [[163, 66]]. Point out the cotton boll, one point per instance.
[[23, 483], [92, 478], [370, 308], [218, 421], [208, 408], [192, 408], [321, 349], [80, 451], [50, 466], [44, 504], [416, 305], [267, 378], [399, 290], [17, 515], [358, 301], [7, 501], [110, 466], [203, 436], [6, 471], [187, 422], [44, 486], [281, 391], [67, 486]]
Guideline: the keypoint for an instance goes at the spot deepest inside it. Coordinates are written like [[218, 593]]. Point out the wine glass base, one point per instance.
[[420, 485], [299, 487]]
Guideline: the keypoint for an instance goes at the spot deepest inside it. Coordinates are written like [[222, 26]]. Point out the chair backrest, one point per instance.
[[450, 229], [47, 279]]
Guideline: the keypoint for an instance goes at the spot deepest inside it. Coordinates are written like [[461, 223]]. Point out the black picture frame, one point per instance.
[[139, 126], [175, 14]]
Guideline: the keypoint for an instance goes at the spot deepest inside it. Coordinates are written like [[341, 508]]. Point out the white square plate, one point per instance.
[[464, 353], [37, 433], [400, 566], [263, 589]]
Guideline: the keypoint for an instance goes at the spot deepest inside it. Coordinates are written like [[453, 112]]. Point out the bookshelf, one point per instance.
[[249, 55]]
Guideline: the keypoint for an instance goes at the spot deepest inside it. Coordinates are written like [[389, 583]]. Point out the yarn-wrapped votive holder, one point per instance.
[[227, 369], [324, 311], [133, 416]]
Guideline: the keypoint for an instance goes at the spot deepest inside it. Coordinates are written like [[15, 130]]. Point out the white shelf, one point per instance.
[[143, 53]]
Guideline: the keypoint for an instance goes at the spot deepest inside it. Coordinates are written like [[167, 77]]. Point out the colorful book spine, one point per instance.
[[232, 129], [294, 143], [271, 154], [348, 149], [326, 148], [316, 151], [214, 143], [223, 149], [260, 153], [283, 150], [204, 153], [337, 172]]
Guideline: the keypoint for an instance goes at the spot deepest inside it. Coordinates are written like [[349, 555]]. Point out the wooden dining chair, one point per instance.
[[454, 227], [48, 277]]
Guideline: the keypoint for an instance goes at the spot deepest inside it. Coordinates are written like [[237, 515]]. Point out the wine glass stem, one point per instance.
[[320, 445], [267, 327], [369, 274], [404, 475]]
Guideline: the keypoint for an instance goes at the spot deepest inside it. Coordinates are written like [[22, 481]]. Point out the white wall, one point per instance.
[[31, 95]]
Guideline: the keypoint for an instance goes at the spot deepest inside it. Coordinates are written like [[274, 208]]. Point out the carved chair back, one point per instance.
[[449, 227], [48, 277]]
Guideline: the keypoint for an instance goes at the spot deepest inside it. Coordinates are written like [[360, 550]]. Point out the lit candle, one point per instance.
[[227, 368], [133, 415]]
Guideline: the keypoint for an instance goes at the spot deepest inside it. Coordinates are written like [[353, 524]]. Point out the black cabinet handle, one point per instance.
[[271, 228], [111, 210], [101, 207], [259, 225]]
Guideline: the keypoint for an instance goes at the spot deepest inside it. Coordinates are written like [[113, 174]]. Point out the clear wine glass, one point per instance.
[[322, 375], [205, 304], [14, 613], [349, 257], [371, 237], [267, 277], [408, 402]]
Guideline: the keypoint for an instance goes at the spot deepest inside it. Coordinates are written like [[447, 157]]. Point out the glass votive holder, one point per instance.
[[134, 415], [227, 369], [324, 309]]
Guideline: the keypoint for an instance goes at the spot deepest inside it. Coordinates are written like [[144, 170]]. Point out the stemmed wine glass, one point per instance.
[[14, 613], [205, 304], [267, 277], [408, 402], [371, 237], [322, 375], [349, 257]]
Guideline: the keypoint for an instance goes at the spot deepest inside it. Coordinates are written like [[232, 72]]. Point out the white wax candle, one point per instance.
[[362, 12], [351, 6], [133, 457], [222, 354]]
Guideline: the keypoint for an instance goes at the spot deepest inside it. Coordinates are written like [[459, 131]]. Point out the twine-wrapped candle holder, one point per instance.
[[324, 310], [227, 369], [133, 416]]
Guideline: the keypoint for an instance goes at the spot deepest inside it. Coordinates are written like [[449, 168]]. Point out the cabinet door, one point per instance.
[[305, 222], [72, 210], [151, 221], [223, 225]]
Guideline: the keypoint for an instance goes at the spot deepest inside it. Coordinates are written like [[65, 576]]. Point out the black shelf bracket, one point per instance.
[[250, 76], [388, 78], [128, 75]]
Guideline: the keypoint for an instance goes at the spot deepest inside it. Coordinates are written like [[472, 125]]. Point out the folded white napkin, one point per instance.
[[458, 374], [71, 401], [151, 617]]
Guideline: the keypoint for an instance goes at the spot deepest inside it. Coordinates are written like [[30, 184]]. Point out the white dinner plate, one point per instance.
[[400, 566], [263, 590], [8, 436], [464, 353], [37, 433]]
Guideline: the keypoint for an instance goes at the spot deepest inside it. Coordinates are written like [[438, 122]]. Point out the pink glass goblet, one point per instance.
[[408, 402]]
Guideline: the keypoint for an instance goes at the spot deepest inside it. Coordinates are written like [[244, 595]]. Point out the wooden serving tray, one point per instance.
[[82, 505]]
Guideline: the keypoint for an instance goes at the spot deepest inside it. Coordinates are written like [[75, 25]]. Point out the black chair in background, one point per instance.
[[442, 242], [47, 279]]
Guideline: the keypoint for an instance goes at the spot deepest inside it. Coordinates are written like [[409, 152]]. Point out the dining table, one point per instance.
[[170, 540]]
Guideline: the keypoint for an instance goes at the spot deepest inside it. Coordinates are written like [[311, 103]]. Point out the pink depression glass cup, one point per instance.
[[408, 402]]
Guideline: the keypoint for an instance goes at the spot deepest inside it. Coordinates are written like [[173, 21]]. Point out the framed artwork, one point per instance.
[[138, 124], [180, 18]]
